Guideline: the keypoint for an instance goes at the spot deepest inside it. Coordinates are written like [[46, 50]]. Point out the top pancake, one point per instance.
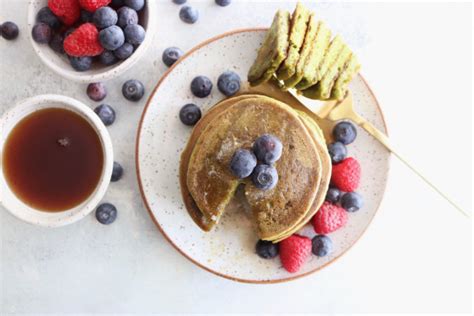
[[237, 126]]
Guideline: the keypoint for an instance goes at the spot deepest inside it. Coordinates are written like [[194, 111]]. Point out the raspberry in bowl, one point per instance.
[[91, 40]]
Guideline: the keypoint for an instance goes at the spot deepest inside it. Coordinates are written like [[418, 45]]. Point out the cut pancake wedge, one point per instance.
[[299, 25], [351, 67], [302, 64], [273, 50]]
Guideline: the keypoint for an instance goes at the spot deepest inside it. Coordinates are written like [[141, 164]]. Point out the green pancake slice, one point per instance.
[[311, 33], [273, 50], [299, 24], [337, 50], [311, 74], [339, 88]]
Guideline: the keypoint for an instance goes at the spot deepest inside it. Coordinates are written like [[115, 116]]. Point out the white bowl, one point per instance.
[[54, 219], [60, 63]]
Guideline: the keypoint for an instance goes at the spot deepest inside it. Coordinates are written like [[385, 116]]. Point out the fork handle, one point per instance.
[[383, 139]]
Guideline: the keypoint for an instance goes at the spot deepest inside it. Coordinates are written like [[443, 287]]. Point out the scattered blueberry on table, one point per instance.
[[171, 55], [243, 162], [268, 148], [201, 86], [352, 201], [223, 3], [106, 114], [81, 63], [265, 177], [179, 2], [9, 30], [266, 249], [321, 245], [344, 132], [188, 14], [337, 151], [41, 33], [106, 213], [133, 90], [333, 195], [228, 83], [96, 91], [117, 172], [190, 114]]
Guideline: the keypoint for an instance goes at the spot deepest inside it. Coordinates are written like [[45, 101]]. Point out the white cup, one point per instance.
[[54, 219]]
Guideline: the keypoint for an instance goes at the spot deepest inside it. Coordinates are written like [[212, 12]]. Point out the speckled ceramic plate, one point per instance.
[[229, 250]]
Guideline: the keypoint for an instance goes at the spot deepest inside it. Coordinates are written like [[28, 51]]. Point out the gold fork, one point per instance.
[[344, 110]]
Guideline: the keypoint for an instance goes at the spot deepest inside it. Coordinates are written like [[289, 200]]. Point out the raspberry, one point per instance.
[[346, 175], [84, 41], [68, 11], [329, 218], [92, 5], [294, 251]]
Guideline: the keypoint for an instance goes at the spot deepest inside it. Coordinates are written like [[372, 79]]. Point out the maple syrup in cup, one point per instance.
[[55, 160]]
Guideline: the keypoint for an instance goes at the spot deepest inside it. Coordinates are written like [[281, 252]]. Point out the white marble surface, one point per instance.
[[415, 256]]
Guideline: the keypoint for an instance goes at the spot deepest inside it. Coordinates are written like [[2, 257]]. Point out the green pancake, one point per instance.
[[299, 24], [311, 74], [273, 50], [311, 32], [322, 90], [351, 67]]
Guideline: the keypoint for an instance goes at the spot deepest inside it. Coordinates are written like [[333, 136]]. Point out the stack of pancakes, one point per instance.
[[304, 168], [298, 50]]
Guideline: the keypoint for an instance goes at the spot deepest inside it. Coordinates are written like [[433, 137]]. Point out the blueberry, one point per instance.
[[171, 55], [45, 15], [126, 16], [86, 16], [190, 114], [179, 1], [9, 30], [106, 114], [136, 5], [56, 43], [321, 245], [117, 172], [337, 151], [134, 34], [268, 148], [117, 3], [344, 132], [188, 14], [106, 213], [333, 195], [96, 91], [352, 201], [105, 17], [223, 3], [124, 51], [133, 90], [265, 177], [69, 31], [112, 37], [81, 63], [242, 163], [266, 249], [41, 33], [107, 58], [201, 86], [228, 83]]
